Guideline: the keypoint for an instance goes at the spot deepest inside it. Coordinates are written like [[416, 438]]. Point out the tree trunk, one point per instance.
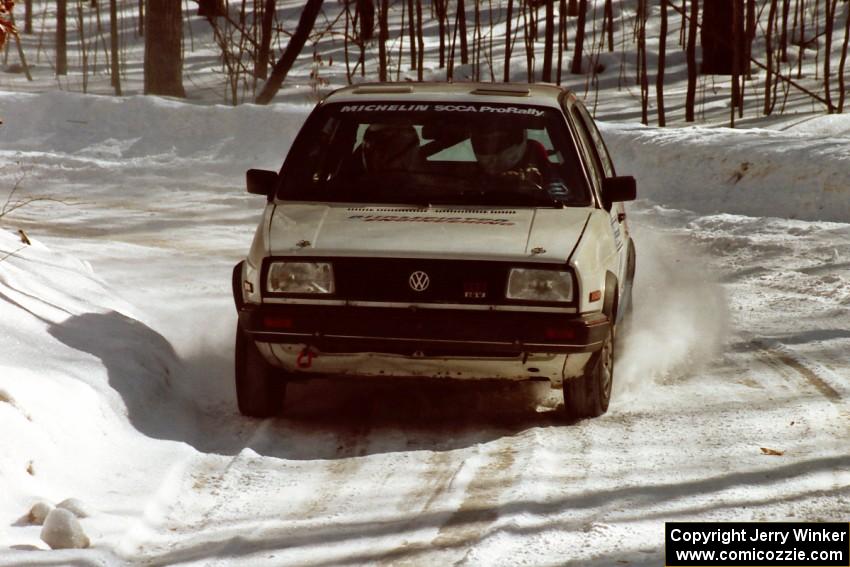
[[21, 54], [113, 46], [440, 7], [84, 56], [737, 25], [528, 40], [690, 99], [507, 77], [562, 36], [549, 41], [843, 61], [577, 55], [411, 29], [61, 37], [163, 49], [464, 46], [261, 65], [802, 46], [609, 18], [662, 52], [366, 13], [420, 41], [296, 44], [750, 36], [768, 48], [383, 34], [783, 37], [142, 17], [644, 80], [28, 16], [476, 41], [831, 7]]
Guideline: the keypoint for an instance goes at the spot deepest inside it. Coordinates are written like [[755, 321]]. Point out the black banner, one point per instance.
[[757, 544]]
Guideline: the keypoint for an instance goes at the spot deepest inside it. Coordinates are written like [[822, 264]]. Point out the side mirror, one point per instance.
[[617, 189], [261, 182]]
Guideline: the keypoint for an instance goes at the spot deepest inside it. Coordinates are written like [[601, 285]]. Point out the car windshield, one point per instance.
[[430, 153]]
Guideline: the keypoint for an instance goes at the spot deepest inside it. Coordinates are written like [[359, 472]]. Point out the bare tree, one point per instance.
[[383, 35], [549, 41], [768, 47], [163, 50], [261, 65], [801, 39], [28, 16], [411, 28], [441, 9], [461, 26], [562, 36], [577, 55], [783, 37], [507, 76], [61, 37], [296, 44], [608, 23], [113, 44], [831, 7], [528, 41], [644, 80], [841, 64], [84, 55], [737, 25], [662, 52], [690, 98]]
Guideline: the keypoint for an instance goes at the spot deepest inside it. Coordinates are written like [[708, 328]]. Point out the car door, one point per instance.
[[600, 166]]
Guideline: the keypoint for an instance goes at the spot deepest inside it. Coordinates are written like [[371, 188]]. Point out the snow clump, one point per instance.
[[62, 530], [39, 512]]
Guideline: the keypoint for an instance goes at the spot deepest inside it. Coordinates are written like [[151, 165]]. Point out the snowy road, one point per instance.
[[740, 343]]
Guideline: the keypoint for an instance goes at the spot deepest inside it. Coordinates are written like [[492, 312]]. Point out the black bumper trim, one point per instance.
[[344, 329]]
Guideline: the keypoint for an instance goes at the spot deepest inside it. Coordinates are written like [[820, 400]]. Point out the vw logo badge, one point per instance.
[[419, 281]]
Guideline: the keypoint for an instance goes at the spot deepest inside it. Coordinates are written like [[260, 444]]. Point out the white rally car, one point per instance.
[[465, 230]]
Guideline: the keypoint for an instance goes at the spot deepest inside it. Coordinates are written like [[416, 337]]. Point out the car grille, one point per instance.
[[413, 280]]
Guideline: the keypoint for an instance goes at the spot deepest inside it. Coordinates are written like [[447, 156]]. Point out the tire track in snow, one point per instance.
[[188, 484], [776, 357], [481, 498], [221, 504]]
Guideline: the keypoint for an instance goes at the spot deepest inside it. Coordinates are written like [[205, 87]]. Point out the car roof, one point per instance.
[[538, 94]]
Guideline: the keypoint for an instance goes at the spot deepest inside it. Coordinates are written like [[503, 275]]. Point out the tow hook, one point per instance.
[[305, 358]]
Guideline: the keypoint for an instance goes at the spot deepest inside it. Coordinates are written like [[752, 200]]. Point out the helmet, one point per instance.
[[390, 147], [499, 150]]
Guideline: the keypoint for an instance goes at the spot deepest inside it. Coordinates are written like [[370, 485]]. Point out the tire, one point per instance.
[[260, 388], [589, 395]]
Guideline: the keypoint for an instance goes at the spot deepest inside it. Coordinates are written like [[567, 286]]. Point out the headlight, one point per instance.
[[300, 277], [540, 285]]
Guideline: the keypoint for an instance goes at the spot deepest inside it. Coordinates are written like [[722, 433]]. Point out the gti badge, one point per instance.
[[419, 281]]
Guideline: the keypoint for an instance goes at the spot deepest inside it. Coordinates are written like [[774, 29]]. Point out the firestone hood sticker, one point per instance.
[[479, 109], [439, 220]]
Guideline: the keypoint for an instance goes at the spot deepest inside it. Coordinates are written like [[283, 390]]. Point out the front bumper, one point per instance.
[[422, 332]]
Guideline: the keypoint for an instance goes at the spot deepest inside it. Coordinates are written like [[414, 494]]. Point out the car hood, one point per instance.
[[434, 232]]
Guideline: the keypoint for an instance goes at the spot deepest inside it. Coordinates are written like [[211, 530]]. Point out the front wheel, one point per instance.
[[260, 388], [589, 394]]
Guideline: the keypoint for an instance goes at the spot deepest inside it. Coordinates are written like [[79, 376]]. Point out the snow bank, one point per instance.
[[80, 377], [753, 172], [114, 128]]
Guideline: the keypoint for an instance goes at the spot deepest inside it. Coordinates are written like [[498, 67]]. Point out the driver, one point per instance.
[[508, 152], [389, 147]]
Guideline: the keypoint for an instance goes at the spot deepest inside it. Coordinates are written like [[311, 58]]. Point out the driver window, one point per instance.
[[586, 144]]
